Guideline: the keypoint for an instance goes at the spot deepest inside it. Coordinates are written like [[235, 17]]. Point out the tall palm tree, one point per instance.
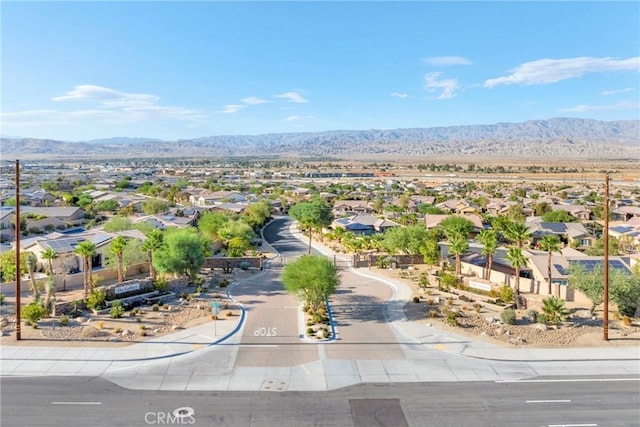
[[49, 255], [489, 240], [517, 260], [458, 245], [517, 232], [86, 250], [117, 248], [155, 241], [551, 244]]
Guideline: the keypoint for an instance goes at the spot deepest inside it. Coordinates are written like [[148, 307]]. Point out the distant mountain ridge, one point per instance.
[[557, 138]]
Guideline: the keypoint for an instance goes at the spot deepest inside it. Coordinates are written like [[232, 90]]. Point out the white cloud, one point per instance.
[[292, 118], [544, 71], [294, 97], [399, 95], [107, 97], [252, 100], [440, 61], [615, 92], [584, 108], [447, 87], [232, 108]]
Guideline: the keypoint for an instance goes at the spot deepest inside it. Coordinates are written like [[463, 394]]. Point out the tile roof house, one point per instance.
[[570, 233], [364, 224], [343, 207]]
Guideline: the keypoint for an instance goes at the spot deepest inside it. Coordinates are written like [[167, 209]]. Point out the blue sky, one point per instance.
[[82, 70]]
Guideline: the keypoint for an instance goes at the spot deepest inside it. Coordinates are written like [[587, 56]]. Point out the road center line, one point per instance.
[[547, 401], [573, 425], [76, 403]]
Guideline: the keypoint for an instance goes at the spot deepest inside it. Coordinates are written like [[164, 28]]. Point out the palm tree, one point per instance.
[[489, 240], [551, 244], [458, 245], [517, 260], [554, 310], [117, 248], [86, 250], [49, 255], [517, 232], [155, 241]]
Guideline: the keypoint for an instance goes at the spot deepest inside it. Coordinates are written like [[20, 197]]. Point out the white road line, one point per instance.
[[573, 425], [259, 345], [547, 401], [76, 403], [575, 380]]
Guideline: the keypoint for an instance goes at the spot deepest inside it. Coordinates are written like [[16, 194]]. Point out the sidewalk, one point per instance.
[[169, 362]]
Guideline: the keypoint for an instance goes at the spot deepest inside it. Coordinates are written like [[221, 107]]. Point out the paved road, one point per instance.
[[69, 402]]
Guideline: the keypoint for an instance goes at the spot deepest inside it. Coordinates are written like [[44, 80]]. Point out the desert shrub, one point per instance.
[[325, 334], [1, 299], [101, 325], [138, 319], [224, 283], [554, 310], [117, 330], [90, 332], [508, 316], [34, 312], [166, 306], [64, 320], [433, 314], [117, 310], [477, 307], [533, 315], [416, 299], [452, 317], [506, 294], [626, 321], [309, 331], [155, 307], [161, 284], [95, 299], [627, 310], [448, 281]]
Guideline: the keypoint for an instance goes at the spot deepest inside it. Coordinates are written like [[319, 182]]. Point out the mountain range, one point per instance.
[[553, 138]]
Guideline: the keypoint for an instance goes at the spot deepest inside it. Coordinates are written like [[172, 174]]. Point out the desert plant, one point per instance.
[[138, 319], [325, 334], [34, 312], [533, 315], [554, 310], [229, 313], [155, 307], [430, 301], [416, 299], [117, 330], [64, 320], [117, 310], [142, 327], [1, 299], [506, 294], [452, 317], [161, 284], [309, 331], [166, 306], [100, 325], [477, 307], [626, 321], [508, 316], [95, 299]]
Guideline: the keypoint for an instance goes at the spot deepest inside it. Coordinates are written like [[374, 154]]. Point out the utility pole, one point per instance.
[[17, 239], [605, 321]]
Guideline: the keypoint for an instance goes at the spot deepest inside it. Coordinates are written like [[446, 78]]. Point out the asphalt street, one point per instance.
[[69, 402]]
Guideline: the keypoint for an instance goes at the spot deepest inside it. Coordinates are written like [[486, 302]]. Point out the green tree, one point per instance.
[[154, 206], [8, 265], [118, 223], [458, 246], [32, 265], [624, 288], [312, 216], [234, 230], [257, 214], [86, 250], [517, 260], [106, 206], [517, 233], [311, 277], [153, 243], [489, 240], [117, 247], [558, 216], [49, 255], [598, 247], [183, 253], [210, 224], [454, 224], [408, 240], [550, 243]]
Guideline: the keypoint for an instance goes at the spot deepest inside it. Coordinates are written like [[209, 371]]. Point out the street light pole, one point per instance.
[[18, 275], [605, 320]]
